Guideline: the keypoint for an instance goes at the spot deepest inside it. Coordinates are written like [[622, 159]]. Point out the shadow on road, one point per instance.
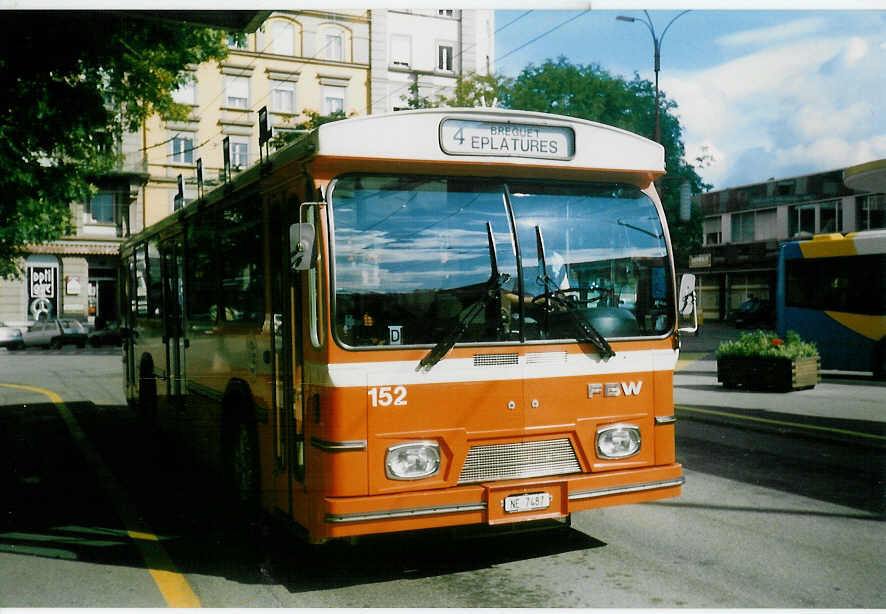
[[845, 472], [54, 507]]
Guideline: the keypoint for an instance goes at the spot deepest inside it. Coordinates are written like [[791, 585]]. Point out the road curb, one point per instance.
[[855, 432]]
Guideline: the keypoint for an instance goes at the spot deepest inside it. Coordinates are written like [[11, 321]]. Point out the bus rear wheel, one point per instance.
[[147, 392], [243, 464]]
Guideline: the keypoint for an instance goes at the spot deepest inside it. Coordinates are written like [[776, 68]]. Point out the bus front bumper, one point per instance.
[[497, 503]]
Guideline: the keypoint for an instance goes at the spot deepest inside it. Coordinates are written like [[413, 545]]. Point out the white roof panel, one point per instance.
[[491, 136]]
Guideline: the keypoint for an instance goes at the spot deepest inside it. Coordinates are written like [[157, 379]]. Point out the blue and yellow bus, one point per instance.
[[832, 291]]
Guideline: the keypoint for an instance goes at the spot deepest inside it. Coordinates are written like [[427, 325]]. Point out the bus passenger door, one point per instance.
[[286, 359], [173, 330]]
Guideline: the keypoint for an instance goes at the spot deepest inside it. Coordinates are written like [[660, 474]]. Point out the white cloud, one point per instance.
[[768, 35], [856, 49], [811, 104]]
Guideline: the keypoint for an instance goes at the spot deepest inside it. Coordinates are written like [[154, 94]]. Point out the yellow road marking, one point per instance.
[[173, 585], [799, 425], [687, 358]]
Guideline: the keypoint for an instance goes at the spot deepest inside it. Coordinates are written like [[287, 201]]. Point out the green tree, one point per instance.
[[590, 92], [415, 100], [474, 90], [74, 82], [314, 120]]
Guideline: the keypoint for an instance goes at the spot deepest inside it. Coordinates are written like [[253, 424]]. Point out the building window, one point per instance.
[[401, 50], [870, 212], [444, 58], [239, 152], [801, 218], [446, 12], [333, 99], [829, 218], [283, 96], [743, 227], [238, 41], [182, 149], [335, 47], [237, 92], [283, 38], [101, 208], [186, 93], [712, 231]]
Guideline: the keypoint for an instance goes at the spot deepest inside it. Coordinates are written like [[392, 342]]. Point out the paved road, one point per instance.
[[100, 512]]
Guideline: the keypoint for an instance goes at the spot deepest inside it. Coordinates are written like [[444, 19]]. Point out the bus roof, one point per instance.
[[466, 141], [834, 245], [490, 136]]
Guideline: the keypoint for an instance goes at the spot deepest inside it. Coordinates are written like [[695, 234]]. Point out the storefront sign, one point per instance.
[[41, 282], [72, 286], [700, 261]]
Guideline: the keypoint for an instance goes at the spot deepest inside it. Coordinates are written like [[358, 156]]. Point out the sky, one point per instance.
[[765, 93]]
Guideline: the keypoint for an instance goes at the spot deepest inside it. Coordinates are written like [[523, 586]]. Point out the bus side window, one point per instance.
[[242, 264], [141, 282], [155, 281], [202, 271]]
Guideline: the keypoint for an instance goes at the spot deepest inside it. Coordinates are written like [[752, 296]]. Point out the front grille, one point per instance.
[[496, 360], [510, 461]]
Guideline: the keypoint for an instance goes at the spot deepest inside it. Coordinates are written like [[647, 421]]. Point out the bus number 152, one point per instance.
[[383, 396]]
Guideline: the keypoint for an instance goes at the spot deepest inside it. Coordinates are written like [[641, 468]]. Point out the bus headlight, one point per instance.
[[618, 441], [413, 460]]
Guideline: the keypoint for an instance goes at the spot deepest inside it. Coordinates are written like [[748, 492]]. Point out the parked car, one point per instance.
[[109, 334], [55, 333], [754, 312], [10, 337]]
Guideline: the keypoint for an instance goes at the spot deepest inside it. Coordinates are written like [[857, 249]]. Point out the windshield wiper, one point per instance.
[[586, 330], [490, 293], [654, 235]]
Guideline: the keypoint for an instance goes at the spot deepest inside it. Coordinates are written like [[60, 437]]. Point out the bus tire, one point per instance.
[[147, 390], [240, 448], [880, 359]]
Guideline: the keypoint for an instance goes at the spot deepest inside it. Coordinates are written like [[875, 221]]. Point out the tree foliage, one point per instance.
[[74, 82], [475, 90], [590, 92], [314, 120]]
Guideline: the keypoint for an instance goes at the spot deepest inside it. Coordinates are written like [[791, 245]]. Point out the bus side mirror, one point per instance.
[[301, 246], [686, 306]]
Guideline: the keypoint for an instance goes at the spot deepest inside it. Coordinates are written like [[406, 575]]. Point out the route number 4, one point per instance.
[[384, 396]]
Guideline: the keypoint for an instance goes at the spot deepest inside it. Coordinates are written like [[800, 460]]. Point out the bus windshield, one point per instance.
[[412, 254]]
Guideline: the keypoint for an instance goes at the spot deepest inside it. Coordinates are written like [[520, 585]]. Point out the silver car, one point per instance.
[[10, 337], [55, 333]]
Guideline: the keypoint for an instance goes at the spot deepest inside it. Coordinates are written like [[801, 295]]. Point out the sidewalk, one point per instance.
[[839, 406]]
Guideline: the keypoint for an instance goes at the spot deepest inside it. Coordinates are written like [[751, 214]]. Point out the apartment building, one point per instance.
[[295, 63], [743, 227], [427, 49]]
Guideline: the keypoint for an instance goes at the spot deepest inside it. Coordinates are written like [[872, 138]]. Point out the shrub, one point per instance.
[[761, 344]]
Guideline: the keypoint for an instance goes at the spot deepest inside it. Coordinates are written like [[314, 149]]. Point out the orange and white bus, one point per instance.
[[423, 319]]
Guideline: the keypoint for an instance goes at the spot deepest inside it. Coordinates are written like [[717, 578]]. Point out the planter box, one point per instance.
[[781, 374]]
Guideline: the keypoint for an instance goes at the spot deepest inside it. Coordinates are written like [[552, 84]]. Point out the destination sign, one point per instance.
[[468, 137]]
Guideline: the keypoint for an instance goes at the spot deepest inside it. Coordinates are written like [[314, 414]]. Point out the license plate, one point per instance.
[[527, 502]]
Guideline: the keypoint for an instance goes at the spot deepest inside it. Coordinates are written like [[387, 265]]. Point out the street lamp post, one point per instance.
[[656, 45]]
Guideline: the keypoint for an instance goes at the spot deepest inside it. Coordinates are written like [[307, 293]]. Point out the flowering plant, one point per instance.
[[759, 343]]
